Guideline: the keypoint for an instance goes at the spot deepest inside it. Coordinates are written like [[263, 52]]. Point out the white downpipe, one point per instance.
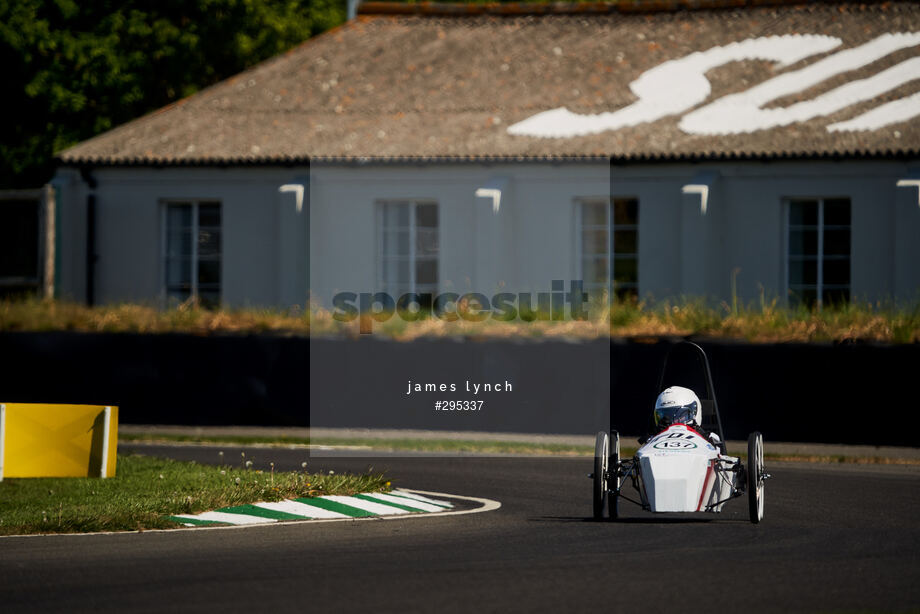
[[493, 193], [910, 183], [702, 190], [106, 430], [297, 190]]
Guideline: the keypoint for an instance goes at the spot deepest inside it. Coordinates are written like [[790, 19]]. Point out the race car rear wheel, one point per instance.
[[755, 476], [601, 460], [613, 479]]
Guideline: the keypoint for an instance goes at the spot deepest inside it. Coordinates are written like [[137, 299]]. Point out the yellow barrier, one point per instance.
[[39, 440]]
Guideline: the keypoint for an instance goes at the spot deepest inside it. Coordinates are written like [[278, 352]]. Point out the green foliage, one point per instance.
[[625, 313], [77, 69], [509, 1]]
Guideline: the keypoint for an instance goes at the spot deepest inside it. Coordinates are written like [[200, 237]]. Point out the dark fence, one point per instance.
[[162, 379], [791, 392]]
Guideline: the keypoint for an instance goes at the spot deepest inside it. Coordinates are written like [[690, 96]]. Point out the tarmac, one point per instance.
[[902, 453]]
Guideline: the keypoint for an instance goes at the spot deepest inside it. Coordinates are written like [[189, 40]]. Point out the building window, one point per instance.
[[408, 246], [819, 251], [609, 245], [193, 252]]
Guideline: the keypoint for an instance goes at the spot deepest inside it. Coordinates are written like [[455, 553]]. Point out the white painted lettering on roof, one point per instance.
[[892, 112], [744, 112], [676, 86]]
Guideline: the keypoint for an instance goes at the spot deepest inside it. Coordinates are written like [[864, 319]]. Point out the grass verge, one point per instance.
[[473, 446], [385, 445], [146, 490], [755, 322]]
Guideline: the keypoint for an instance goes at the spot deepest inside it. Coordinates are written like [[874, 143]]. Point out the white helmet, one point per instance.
[[678, 405]]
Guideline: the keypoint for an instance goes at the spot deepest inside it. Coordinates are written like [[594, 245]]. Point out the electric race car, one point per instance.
[[684, 467]]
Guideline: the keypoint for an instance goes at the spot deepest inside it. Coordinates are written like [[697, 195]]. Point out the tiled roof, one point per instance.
[[435, 87]]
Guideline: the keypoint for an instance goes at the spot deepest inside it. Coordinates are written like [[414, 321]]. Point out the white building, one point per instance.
[[668, 152]]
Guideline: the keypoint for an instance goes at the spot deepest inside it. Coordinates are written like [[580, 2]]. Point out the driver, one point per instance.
[[679, 405]]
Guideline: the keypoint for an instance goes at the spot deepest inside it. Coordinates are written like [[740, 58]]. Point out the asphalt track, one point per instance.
[[834, 539]]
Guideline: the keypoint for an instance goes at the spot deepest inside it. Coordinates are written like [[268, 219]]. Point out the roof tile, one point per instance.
[[413, 87]]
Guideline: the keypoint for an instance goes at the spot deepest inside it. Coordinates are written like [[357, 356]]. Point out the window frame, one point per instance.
[[194, 258], [611, 228], [413, 258], [788, 228]]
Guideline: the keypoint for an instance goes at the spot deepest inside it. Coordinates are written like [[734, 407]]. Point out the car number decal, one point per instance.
[[674, 444]]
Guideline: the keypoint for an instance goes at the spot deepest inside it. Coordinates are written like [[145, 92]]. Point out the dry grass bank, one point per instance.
[[764, 323]]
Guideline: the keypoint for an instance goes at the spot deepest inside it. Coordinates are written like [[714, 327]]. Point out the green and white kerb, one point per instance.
[[330, 507]]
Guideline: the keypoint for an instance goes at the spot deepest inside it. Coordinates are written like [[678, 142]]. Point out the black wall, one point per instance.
[[162, 379], [790, 392]]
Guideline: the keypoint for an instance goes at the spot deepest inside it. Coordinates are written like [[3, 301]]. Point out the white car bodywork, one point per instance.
[[679, 470]]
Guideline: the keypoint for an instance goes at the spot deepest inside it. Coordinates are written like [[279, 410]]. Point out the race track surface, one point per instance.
[[834, 539]]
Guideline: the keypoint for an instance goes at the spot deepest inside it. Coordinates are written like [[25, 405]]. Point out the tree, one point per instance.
[[77, 69]]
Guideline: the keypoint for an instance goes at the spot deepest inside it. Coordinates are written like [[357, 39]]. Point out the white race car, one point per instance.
[[679, 469]]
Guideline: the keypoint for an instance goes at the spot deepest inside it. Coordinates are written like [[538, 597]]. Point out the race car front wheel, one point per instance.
[[755, 476], [601, 459], [613, 479]]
